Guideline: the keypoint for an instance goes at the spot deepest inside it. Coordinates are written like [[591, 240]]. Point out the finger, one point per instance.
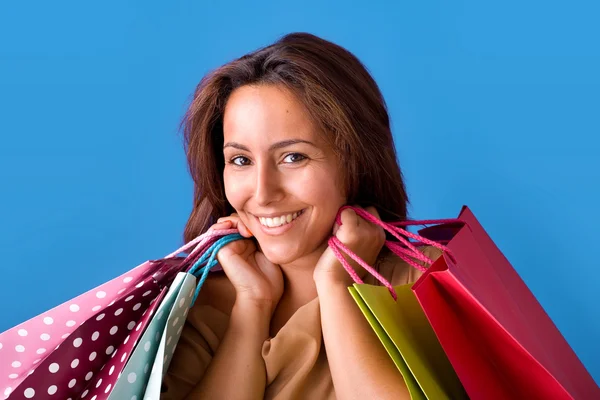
[[373, 211], [243, 229], [233, 220], [241, 248], [370, 210], [226, 258], [349, 218], [347, 231], [233, 259], [236, 223], [221, 225]]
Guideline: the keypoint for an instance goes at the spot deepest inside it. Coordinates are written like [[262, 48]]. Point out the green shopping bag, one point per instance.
[[410, 341], [170, 337], [187, 295]]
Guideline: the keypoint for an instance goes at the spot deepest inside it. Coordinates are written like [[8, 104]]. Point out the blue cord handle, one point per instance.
[[209, 260]]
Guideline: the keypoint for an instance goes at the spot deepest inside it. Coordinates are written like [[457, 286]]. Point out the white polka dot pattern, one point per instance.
[[115, 365], [27, 341], [136, 373], [29, 368], [57, 368]]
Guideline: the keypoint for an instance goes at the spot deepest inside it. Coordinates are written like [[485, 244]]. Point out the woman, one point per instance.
[[277, 141]]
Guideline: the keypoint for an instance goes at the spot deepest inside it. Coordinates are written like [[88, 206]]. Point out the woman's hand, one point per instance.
[[362, 237], [256, 280], [344, 325], [232, 222]]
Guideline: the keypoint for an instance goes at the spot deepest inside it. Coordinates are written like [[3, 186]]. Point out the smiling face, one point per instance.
[[280, 175]]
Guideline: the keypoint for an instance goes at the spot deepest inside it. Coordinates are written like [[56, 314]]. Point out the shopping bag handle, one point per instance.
[[198, 242], [208, 260], [404, 254], [170, 267], [336, 245], [405, 250], [396, 231], [208, 238]]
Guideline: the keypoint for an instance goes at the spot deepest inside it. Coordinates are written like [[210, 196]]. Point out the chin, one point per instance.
[[281, 253], [280, 257]]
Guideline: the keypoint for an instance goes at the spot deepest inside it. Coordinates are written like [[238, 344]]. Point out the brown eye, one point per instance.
[[240, 161], [294, 158]]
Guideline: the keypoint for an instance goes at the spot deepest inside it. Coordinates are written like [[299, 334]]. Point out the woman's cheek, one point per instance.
[[234, 190]]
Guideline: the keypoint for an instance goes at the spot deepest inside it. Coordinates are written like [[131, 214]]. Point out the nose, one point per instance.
[[268, 184]]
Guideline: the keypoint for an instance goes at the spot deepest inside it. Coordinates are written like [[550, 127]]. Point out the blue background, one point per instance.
[[493, 105]]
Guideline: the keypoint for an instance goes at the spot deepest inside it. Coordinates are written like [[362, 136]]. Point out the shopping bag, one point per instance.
[[142, 376], [410, 341], [206, 263], [398, 320], [497, 336], [509, 345], [169, 338], [57, 353], [132, 379], [100, 384]]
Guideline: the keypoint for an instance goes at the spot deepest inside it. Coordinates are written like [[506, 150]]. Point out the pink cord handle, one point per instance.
[[199, 241], [405, 250], [207, 239], [405, 254], [185, 247], [396, 232], [336, 245]]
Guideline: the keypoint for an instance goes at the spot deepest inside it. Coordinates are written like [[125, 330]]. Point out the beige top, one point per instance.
[[295, 360]]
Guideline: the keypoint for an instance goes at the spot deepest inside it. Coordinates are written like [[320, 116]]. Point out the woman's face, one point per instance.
[[280, 175]]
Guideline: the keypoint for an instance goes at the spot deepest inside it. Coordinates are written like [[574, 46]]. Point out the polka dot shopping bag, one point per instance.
[[142, 376], [170, 316], [56, 354], [176, 319]]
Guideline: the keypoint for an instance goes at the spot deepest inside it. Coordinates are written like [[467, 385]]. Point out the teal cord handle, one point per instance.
[[207, 261]]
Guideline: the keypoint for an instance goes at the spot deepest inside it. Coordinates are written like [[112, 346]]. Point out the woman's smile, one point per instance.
[[278, 224]]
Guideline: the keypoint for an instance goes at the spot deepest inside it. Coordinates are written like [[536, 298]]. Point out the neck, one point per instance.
[[298, 275], [299, 287]]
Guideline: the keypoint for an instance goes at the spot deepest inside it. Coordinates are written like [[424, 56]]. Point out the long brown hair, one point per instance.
[[341, 97]]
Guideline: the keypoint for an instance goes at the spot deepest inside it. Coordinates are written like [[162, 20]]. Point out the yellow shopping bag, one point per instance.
[[409, 339]]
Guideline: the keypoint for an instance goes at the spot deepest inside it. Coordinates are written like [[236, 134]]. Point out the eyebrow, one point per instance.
[[274, 146]]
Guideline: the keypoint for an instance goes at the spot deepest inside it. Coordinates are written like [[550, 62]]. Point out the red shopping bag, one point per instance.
[[497, 336], [495, 332]]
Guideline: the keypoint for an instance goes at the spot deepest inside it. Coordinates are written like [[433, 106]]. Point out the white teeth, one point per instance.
[[278, 221]]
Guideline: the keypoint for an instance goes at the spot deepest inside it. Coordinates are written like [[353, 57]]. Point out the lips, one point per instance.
[[280, 220]]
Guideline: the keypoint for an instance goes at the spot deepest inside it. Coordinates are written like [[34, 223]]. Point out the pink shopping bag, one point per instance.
[[57, 353]]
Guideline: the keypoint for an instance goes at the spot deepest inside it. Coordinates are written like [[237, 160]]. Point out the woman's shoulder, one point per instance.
[[399, 272]]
